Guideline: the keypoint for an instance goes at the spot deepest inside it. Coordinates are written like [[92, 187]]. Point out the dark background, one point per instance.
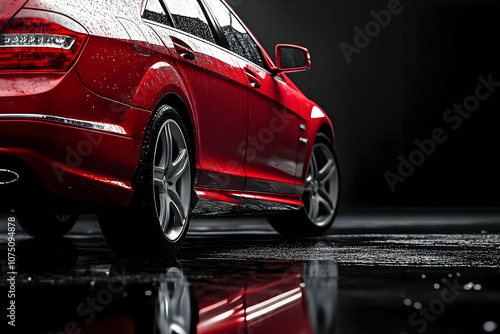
[[396, 90]]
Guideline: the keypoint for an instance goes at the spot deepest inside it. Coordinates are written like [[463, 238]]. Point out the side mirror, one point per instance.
[[292, 58]]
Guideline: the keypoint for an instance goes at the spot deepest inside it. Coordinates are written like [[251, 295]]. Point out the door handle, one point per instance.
[[255, 85], [184, 52], [183, 49], [254, 80], [187, 56]]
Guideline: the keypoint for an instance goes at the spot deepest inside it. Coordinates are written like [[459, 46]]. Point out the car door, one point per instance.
[[217, 88], [273, 123]]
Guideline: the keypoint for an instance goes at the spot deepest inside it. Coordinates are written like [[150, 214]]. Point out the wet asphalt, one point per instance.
[[376, 271]]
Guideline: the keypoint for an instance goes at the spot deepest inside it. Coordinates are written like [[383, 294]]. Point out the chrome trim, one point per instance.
[[106, 127], [303, 140], [12, 174], [36, 41], [302, 127]]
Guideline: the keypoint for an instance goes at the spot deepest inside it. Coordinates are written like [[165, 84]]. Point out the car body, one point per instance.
[[81, 82]]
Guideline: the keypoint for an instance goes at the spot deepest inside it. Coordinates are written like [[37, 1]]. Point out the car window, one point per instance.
[[154, 12], [189, 17], [238, 38]]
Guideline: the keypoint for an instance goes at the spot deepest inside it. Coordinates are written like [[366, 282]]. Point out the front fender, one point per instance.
[[318, 122]]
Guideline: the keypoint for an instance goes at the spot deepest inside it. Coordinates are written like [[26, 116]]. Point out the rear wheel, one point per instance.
[[44, 224], [320, 197], [157, 219]]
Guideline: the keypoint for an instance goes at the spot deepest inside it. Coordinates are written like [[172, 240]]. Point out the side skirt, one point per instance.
[[215, 202]]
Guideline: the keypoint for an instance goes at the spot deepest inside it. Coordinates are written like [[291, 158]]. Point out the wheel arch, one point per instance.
[[319, 122], [327, 130], [188, 117]]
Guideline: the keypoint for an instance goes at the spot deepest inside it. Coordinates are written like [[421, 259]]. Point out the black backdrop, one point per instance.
[[396, 90]]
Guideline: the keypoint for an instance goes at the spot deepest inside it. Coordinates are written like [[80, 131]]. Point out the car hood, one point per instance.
[[7, 9]]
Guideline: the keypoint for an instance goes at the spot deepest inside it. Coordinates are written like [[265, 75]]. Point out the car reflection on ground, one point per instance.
[[279, 298], [239, 276]]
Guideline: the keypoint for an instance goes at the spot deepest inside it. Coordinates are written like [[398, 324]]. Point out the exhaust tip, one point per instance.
[[8, 176]]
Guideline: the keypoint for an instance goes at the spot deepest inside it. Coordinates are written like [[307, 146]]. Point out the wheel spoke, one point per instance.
[[325, 200], [177, 207], [311, 198], [327, 171], [164, 215], [158, 176], [314, 166], [313, 208], [179, 166], [308, 184], [166, 154]]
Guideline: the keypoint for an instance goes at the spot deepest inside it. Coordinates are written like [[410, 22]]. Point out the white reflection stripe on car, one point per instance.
[[113, 128], [275, 302]]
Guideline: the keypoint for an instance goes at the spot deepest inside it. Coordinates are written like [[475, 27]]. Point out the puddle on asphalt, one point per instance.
[[359, 283], [256, 297]]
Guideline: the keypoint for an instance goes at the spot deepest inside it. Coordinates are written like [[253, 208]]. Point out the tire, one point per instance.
[[320, 197], [46, 225], [157, 219]]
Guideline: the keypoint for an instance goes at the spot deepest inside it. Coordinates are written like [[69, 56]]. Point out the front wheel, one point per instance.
[[320, 197], [157, 219]]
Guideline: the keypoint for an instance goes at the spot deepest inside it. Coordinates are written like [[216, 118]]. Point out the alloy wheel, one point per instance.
[[172, 180], [321, 186]]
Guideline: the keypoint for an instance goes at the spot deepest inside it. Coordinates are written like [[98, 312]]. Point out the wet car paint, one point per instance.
[[127, 66], [8, 9]]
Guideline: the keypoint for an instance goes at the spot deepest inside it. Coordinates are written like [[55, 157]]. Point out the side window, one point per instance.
[[155, 12], [239, 40], [189, 17]]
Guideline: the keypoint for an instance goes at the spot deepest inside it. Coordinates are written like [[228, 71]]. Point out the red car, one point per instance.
[[136, 109]]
